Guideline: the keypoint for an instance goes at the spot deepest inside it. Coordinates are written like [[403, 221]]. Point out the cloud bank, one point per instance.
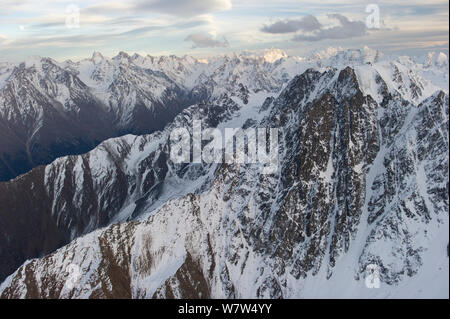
[[184, 7], [203, 41], [307, 23], [30, 27], [312, 30], [347, 29], [181, 8]]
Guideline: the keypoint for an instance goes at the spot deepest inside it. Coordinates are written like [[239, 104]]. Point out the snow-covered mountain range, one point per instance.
[[50, 109], [362, 178]]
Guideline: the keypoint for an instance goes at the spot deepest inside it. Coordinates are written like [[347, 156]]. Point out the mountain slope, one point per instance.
[[78, 194], [46, 111]]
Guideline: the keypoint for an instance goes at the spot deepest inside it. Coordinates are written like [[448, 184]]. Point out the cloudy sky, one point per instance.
[[74, 29]]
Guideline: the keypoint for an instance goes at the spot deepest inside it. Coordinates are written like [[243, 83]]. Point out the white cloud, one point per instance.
[[307, 23], [346, 29], [185, 7], [204, 41], [162, 25]]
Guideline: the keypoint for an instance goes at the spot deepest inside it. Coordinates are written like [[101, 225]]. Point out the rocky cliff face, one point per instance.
[[362, 180]]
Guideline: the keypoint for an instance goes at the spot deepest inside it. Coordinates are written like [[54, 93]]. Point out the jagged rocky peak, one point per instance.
[[340, 57], [136, 56], [33, 60], [6, 69], [271, 55], [122, 58], [97, 57], [436, 59]]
